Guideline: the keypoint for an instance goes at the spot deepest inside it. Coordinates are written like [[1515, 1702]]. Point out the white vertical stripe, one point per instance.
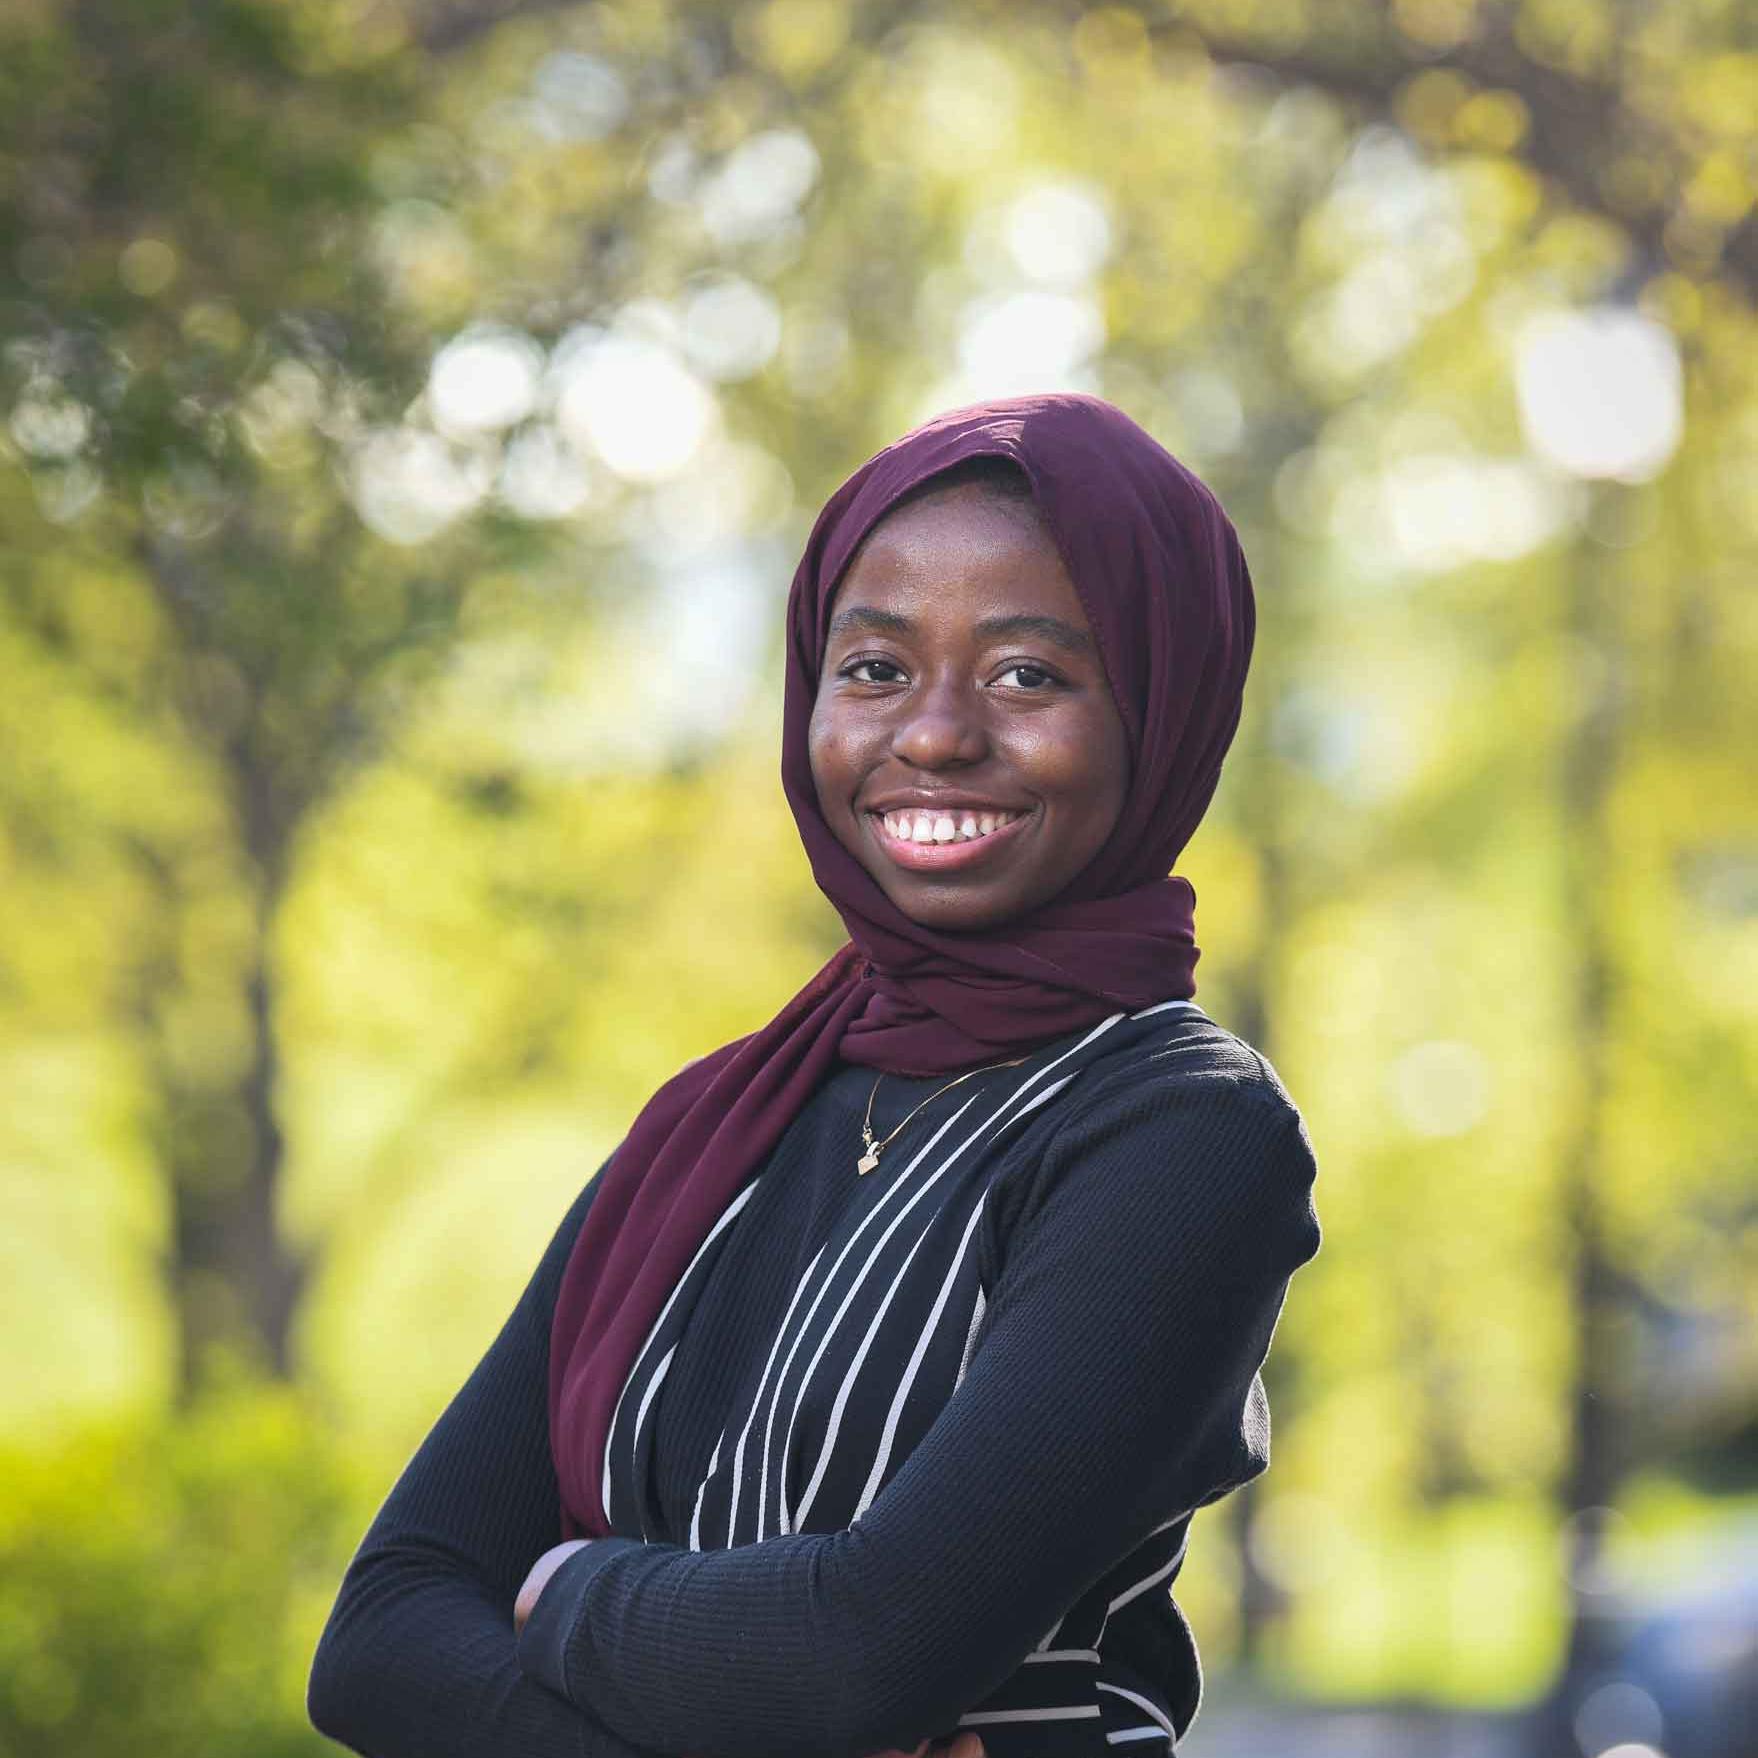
[[859, 1280], [891, 1194], [774, 1392], [993, 1121], [1142, 1702], [1043, 1098], [738, 1469], [1158, 1575], [1125, 1735], [911, 1369], [1096, 1033], [1016, 1102], [653, 1386], [834, 1425], [702, 1490], [1167, 1568], [970, 1336], [726, 1216]]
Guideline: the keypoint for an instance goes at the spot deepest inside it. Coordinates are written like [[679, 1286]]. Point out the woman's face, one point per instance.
[[964, 743]]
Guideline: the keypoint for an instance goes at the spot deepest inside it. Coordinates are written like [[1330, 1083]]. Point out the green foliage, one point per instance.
[[163, 1581]]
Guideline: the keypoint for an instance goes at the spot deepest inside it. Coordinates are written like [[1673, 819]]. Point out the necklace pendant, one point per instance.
[[868, 1161]]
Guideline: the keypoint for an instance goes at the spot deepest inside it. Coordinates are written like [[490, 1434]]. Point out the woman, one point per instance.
[[873, 1383]]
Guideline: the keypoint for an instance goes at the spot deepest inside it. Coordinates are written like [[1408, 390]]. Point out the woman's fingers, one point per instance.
[[965, 1745], [541, 1570]]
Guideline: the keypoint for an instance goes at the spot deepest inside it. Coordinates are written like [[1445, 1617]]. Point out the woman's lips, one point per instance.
[[943, 857]]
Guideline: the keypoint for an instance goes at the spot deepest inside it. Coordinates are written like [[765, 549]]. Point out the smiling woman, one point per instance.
[[964, 744], [846, 1464]]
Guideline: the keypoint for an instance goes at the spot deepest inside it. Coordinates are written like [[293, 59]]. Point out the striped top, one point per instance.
[[908, 1452]]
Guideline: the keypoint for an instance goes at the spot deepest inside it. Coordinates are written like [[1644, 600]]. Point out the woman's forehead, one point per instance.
[[971, 516], [959, 552]]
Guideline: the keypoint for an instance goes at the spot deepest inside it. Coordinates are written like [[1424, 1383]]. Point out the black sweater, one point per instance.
[[927, 1450]]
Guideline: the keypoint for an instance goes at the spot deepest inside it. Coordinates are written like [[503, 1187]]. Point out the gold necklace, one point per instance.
[[870, 1159]]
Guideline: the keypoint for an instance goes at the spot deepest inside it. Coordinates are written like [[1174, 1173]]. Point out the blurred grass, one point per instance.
[[163, 1580]]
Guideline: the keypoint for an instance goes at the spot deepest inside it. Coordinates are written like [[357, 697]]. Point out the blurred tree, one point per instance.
[[200, 354], [1643, 115], [175, 223]]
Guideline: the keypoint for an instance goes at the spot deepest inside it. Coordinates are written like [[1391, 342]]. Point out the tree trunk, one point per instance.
[[1598, 1441], [1262, 1599], [234, 1279]]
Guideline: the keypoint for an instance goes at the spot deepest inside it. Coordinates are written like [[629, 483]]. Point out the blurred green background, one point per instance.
[[409, 417]]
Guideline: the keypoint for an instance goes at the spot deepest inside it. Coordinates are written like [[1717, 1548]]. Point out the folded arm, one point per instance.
[[418, 1660], [1143, 1276]]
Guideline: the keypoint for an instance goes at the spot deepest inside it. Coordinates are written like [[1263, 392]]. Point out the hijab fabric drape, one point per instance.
[[1165, 588]]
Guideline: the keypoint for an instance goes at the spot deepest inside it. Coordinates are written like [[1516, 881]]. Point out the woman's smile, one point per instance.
[[931, 839], [965, 746]]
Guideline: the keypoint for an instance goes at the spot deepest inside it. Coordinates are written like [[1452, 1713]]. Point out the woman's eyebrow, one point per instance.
[[859, 619], [1051, 629], [862, 618]]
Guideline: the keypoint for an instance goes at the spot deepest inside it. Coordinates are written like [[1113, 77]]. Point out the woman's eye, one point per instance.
[[860, 665], [1032, 677]]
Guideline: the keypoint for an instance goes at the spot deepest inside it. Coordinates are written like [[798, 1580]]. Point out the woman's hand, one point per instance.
[[541, 1570], [965, 1745]]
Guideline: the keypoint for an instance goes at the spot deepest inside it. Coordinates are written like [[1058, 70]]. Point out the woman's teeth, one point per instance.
[[944, 826]]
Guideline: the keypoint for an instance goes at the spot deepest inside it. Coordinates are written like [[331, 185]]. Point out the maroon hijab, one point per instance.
[[1164, 585]]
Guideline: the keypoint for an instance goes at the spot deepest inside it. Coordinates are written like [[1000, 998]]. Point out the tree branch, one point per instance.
[[1576, 128]]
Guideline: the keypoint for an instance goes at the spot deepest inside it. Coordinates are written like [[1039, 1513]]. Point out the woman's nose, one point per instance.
[[940, 726]]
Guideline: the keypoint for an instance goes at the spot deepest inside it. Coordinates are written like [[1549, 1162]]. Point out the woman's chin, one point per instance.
[[942, 907]]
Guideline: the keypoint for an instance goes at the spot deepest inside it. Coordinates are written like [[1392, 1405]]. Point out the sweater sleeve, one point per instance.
[[417, 1659], [1112, 1389]]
